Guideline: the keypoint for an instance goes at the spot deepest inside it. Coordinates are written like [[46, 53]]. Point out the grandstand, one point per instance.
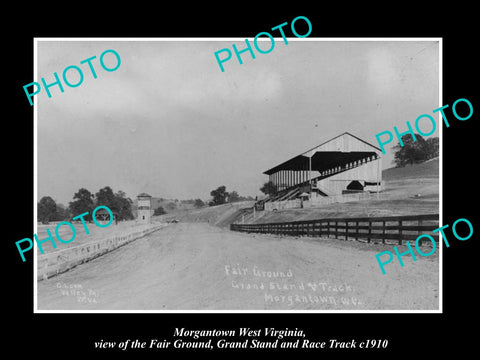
[[341, 169]]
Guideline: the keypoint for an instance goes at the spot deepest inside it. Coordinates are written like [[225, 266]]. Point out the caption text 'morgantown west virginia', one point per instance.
[[279, 334]]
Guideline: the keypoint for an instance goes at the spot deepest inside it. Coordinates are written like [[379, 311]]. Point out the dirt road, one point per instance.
[[196, 266]]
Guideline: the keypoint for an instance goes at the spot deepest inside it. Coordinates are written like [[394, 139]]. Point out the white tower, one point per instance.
[[144, 206]]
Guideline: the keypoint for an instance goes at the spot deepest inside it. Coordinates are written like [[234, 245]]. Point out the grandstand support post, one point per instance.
[[254, 212], [310, 177]]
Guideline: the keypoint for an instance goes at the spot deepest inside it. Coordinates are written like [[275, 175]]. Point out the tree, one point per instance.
[[122, 206], [159, 211], [62, 213], [269, 188], [432, 148], [106, 197], [247, 198], [117, 202], [46, 209], [171, 206], [411, 152], [219, 195], [83, 202], [233, 197], [198, 203]]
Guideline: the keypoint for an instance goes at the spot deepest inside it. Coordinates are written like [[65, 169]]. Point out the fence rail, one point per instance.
[[397, 228], [57, 262]]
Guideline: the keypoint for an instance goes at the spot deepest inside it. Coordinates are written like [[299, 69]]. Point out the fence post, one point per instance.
[[420, 223], [383, 237], [45, 274], [336, 229], [400, 223], [369, 230], [356, 231], [346, 230]]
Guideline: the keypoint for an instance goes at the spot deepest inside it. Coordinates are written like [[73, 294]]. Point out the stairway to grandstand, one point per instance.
[[289, 194], [293, 192], [322, 190]]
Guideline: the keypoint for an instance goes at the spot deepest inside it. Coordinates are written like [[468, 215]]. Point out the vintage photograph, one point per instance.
[[164, 184]]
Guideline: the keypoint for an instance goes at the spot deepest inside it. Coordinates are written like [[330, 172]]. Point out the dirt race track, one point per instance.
[[197, 266]]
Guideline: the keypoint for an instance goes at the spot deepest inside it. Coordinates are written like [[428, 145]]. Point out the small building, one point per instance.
[[144, 208]]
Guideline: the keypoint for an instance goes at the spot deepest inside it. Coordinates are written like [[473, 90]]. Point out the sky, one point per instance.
[[168, 122]]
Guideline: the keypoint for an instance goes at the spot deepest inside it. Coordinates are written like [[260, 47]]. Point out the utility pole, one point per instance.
[[378, 176]]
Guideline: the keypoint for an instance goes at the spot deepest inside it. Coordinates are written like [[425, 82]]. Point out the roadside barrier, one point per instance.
[[57, 262], [397, 228]]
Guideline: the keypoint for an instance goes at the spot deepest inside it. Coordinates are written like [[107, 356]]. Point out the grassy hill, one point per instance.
[[428, 169], [418, 180], [220, 215]]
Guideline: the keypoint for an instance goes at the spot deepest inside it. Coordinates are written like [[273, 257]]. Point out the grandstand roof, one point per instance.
[[326, 159]]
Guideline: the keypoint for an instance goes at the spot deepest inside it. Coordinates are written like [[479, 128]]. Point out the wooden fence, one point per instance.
[[398, 228], [57, 262]]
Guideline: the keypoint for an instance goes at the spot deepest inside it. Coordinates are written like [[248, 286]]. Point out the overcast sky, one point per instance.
[[168, 122]]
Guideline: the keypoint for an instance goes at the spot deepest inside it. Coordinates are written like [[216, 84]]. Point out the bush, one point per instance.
[[159, 211]]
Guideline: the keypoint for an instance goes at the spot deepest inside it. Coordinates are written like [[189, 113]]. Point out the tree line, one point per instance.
[[172, 205], [414, 152], [85, 201], [221, 196]]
